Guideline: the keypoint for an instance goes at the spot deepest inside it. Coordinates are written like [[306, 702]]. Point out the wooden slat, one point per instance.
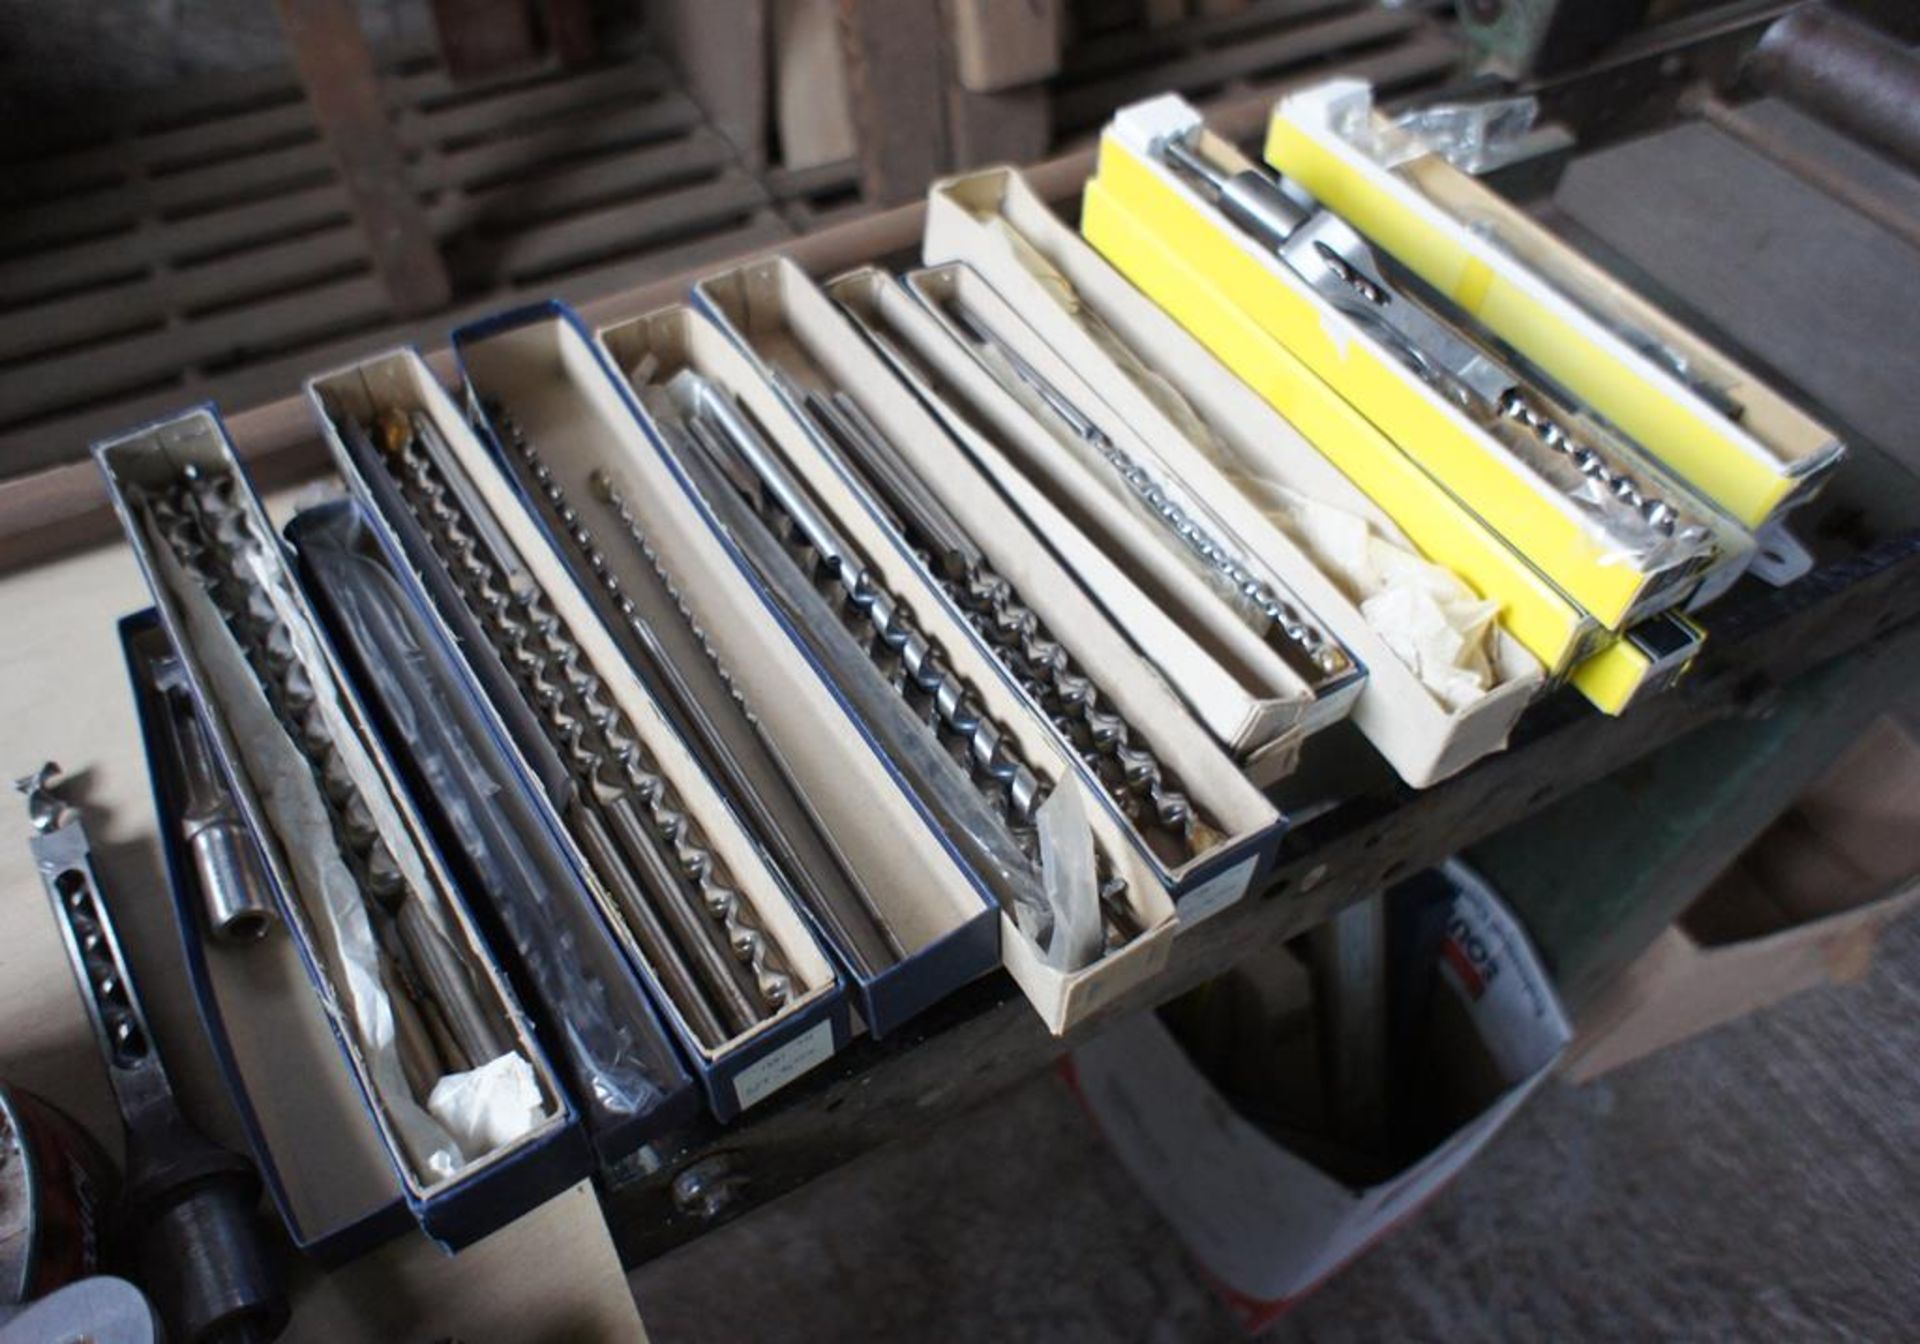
[[657, 118], [602, 233], [578, 186], [68, 380], [484, 37], [65, 322], [337, 69]]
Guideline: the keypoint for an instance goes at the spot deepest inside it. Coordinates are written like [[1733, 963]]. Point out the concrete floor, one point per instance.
[[1761, 1182]]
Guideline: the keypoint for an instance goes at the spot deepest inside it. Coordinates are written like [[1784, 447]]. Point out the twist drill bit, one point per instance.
[[1326, 662], [208, 529], [630, 809], [872, 942], [950, 706], [1149, 793]]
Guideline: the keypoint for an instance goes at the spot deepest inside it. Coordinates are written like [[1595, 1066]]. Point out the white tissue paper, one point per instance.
[[489, 1107]]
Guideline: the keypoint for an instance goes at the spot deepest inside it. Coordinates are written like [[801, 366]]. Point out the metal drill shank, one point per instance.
[[233, 882]]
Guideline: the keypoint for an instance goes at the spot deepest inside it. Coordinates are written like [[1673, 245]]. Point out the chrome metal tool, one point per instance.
[[1444, 346], [710, 710], [209, 532], [1319, 659], [188, 1204], [226, 858], [696, 931], [1149, 794]]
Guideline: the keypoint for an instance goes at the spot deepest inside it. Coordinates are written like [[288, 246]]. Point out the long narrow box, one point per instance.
[[1547, 622], [318, 1149], [864, 799], [547, 919], [1549, 521], [1638, 367], [542, 367], [1261, 730], [994, 221], [780, 318], [399, 382], [813, 1023], [455, 1195]]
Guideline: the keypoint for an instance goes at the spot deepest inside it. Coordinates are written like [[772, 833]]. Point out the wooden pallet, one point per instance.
[[203, 246]]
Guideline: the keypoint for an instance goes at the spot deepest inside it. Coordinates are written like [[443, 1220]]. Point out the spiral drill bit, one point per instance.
[[207, 529], [1313, 652], [951, 707], [864, 930], [611, 768], [1148, 793]]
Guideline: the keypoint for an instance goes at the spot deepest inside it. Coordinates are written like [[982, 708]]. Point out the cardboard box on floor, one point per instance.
[[1802, 907], [1266, 1224]]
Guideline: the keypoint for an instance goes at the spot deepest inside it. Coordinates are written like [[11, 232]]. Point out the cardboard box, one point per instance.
[[1536, 613], [1549, 516], [1261, 727], [780, 318], [455, 1197], [814, 1021], [896, 831], [1802, 907], [993, 221], [537, 900], [1266, 1224], [1552, 304]]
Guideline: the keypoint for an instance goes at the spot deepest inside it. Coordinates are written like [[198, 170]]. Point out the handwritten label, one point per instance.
[[771, 1072], [1217, 892]]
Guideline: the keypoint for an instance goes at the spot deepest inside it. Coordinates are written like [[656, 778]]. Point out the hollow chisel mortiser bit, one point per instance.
[[1437, 346], [720, 968], [1149, 794], [187, 1210], [862, 930], [207, 529]]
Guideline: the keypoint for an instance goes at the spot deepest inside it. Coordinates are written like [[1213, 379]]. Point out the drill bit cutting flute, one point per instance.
[[719, 967]]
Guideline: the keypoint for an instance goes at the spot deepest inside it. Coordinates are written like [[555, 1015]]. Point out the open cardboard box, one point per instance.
[[782, 319], [457, 1196], [1544, 620], [1601, 554], [986, 219], [1553, 304], [870, 808], [1802, 907]]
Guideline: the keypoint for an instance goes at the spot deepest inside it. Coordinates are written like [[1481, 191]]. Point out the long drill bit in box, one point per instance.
[[961, 763], [715, 720], [1149, 794], [721, 970]]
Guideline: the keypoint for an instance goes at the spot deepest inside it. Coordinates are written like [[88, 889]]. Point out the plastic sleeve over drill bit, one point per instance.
[[522, 878]]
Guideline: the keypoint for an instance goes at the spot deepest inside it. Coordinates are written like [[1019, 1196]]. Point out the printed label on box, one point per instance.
[[1217, 892], [768, 1074]]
